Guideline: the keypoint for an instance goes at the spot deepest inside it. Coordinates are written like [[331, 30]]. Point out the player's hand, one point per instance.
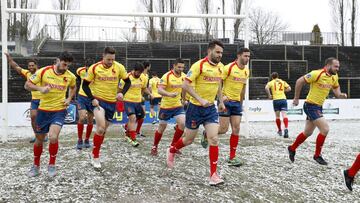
[[119, 96], [45, 89], [343, 96], [67, 102], [151, 96], [8, 57], [173, 94], [95, 103], [204, 102], [270, 97], [225, 98], [184, 102], [295, 102], [221, 107]]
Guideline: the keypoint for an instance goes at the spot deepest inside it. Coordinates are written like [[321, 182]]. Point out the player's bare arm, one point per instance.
[[32, 87], [188, 88], [12, 63], [338, 94], [267, 90], [298, 87], [165, 93]]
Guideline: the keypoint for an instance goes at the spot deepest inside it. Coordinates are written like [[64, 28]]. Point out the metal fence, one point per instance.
[[126, 34]]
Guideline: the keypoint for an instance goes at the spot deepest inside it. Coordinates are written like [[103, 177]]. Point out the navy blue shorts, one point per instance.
[[134, 108], [167, 114], [84, 103], [34, 105], [197, 115], [109, 108], [233, 108], [280, 105], [45, 119], [155, 101], [312, 111]]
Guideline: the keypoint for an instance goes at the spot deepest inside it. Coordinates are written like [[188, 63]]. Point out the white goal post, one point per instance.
[[5, 11]]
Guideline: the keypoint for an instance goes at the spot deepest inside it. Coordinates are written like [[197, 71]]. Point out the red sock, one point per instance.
[[319, 143], [213, 156], [132, 134], [300, 139], [157, 138], [234, 139], [177, 146], [355, 167], [37, 154], [97, 141], [178, 133], [53, 150], [139, 124], [278, 124], [286, 122], [89, 128], [80, 128]]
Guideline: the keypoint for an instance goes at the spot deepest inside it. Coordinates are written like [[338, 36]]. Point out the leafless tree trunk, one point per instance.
[[338, 12], [223, 12], [175, 6], [65, 21], [237, 11], [353, 21], [162, 8], [149, 6], [265, 25], [205, 7]]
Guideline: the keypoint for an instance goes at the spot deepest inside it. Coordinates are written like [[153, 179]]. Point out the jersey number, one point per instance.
[[280, 86]]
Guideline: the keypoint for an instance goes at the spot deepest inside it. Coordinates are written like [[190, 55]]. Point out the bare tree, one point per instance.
[[265, 25], [175, 6], [65, 21], [162, 8], [237, 11], [353, 21], [338, 12], [205, 6], [149, 6]]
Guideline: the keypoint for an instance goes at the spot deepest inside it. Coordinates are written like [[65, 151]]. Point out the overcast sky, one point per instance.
[[300, 15]]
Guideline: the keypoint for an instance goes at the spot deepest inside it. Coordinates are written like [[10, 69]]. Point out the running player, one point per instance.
[[132, 102], [275, 89], [35, 95], [206, 74], [53, 82], [154, 102], [171, 106], [350, 173], [84, 109], [104, 76], [321, 81]]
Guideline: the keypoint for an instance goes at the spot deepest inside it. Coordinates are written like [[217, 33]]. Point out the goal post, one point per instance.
[[5, 11]]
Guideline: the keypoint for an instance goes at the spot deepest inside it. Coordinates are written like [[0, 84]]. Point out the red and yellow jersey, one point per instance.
[[153, 84], [54, 99], [234, 81], [207, 78], [172, 84], [105, 80], [320, 84], [27, 75], [81, 72], [277, 87], [134, 94]]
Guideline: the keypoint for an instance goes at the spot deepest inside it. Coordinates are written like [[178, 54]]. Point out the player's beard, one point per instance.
[[215, 59], [177, 72], [332, 72]]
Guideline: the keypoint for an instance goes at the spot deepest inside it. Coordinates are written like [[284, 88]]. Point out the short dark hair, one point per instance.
[[109, 50], [274, 75], [66, 56], [179, 60], [138, 67], [88, 62], [330, 60], [213, 43], [154, 73], [32, 60], [146, 64], [242, 50]]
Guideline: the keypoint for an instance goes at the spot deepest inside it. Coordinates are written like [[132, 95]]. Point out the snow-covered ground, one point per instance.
[[133, 175]]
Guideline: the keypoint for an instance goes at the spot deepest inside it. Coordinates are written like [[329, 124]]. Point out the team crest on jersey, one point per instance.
[[33, 77], [189, 73], [65, 79], [308, 75]]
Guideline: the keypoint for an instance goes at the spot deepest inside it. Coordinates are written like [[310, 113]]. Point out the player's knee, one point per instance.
[[236, 130], [100, 130], [214, 141], [325, 130], [222, 130], [132, 119], [53, 138], [188, 141], [181, 126]]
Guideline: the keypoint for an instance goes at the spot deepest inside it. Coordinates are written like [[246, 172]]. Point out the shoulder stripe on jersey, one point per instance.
[[318, 77], [44, 70], [202, 64], [230, 68], [168, 76], [95, 66]]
